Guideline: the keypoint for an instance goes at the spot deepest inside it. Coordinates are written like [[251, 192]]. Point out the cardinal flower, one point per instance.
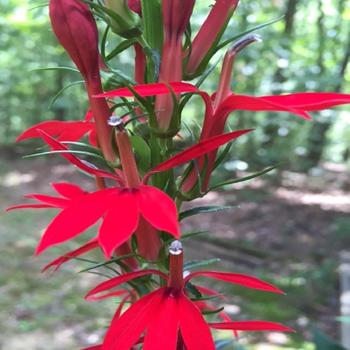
[[167, 316], [224, 102], [122, 208], [76, 30], [119, 208], [63, 130]]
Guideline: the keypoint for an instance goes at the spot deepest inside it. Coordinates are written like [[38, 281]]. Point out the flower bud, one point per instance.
[[76, 30], [123, 21]]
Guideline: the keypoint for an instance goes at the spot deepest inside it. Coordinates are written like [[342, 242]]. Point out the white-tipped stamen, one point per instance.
[[114, 121], [244, 42], [175, 248]]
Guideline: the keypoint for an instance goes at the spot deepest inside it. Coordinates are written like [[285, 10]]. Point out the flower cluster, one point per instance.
[[142, 178]]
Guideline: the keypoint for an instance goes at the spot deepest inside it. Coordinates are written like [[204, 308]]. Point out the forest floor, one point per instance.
[[290, 233]]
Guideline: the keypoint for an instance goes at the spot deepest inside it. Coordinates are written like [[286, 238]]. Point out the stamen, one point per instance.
[[175, 248], [115, 121], [244, 42]]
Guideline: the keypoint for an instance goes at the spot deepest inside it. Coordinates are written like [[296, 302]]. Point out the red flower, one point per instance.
[[63, 130], [167, 312], [120, 209], [76, 30]]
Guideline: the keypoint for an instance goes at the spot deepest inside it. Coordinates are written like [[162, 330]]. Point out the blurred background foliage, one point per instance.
[[306, 50]]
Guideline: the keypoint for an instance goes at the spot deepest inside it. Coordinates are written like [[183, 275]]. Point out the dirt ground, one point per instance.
[[290, 233]]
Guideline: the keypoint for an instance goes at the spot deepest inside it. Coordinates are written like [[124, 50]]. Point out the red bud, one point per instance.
[[76, 30]]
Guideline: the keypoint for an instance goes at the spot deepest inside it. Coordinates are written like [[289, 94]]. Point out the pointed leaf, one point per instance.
[[117, 281], [235, 278], [203, 210], [55, 145]]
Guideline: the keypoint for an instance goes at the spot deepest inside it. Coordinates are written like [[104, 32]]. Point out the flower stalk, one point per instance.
[[176, 281]]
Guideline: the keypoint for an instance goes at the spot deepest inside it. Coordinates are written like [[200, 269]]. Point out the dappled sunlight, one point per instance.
[[334, 200], [15, 178]]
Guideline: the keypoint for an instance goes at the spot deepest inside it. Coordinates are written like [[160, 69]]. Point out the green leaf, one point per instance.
[[106, 263], [222, 344], [211, 312], [200, 263], [152, 23], [70, 69], [94, 155], [142, 151], [251, 30], [203, 210], [193, 234], [54, 99], [193, 290], [242, 179], [125, 44], [323, 342]]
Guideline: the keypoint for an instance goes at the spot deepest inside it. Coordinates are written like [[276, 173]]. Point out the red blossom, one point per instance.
[[171, 310], [119, 208]]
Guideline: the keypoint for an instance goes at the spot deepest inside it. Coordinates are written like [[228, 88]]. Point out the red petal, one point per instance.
[[125, 331], [251, 103], [198, 150], [310, 101], [74, 219], [57, 146], [158, 209], [151, 90], [119, 223], [63, 130], [117, 281], [88, 116], [116, 293], [243, 280], [162, 332], [194, 329], [29, 206], [95, 347], [52, 201], [119, 310], [252, 326], [74, 253], [68, 190]]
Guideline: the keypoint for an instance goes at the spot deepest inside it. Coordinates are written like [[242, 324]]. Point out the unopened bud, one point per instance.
[[244, 42], [123, 21]]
